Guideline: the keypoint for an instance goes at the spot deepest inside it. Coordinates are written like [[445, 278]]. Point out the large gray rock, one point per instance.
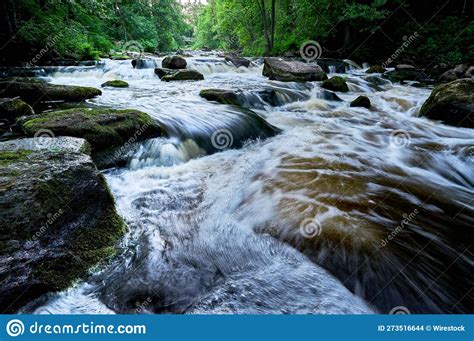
[[33, 92], [294, 71], [220, 95], [183, 75], [58, 217], [102, 128], [237, 60], [174, 62], [452, 103]]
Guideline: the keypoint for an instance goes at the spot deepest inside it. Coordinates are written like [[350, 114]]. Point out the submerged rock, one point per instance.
[[336, 83], [376, 69], [220, 95], [183, 75], [102, 128], [174, 62], [292, 71], [58, 217], [452, 103], [361, 101], [237, 60], [34, 92], [12, 108], [115, 84]]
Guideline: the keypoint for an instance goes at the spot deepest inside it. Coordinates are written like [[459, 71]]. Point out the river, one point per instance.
[[345, 211]]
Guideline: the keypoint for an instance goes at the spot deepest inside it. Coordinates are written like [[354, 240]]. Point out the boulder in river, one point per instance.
[[220, 95], [407, 73], [376, 69], [458, 72], [452, 103], [294, 71], [12, 108], [237, 60], [58, 217], [102, 128], [161, 72], [34, 92], [115, 84], [333, 65], [361, 101], [174, 62], [335, 83], [183, 75]]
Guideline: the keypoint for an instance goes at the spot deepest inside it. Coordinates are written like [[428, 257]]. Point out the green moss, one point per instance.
[[361, 101], [88, 247], [102, 128], [119, 57], [9, 157], [116, 84], [335, 83]]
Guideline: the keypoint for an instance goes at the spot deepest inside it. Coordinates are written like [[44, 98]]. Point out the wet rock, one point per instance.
[[61, 218], [12, 108], [337, 65], [451, 75], [294, 71], [470, 72], [237, 60], [161, 72], [34, 92], [335, 83], [174, 62], [361, 101], [183, 75], [376, 69], [330, 96], [102, 128], [115, 84], [220, 95], [452, 103], [407, 73]]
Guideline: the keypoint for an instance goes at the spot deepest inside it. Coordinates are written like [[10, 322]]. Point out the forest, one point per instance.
[[365, 31]]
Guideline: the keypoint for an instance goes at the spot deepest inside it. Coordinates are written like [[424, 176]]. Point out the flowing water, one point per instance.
[[345, 210]]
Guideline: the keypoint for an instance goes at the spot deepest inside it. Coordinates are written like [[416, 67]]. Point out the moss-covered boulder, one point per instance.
[[294, 71], [183, 75], [452, 103], [102, 128], [220, 95], [12, 108], [174, 62], [115, 84], [335, 83], [361, 101], [404, 73], [58, 217], [34, 92], [376, 69]]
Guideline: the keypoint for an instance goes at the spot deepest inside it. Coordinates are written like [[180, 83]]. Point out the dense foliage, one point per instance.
[[84, 29], [370, 30]]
